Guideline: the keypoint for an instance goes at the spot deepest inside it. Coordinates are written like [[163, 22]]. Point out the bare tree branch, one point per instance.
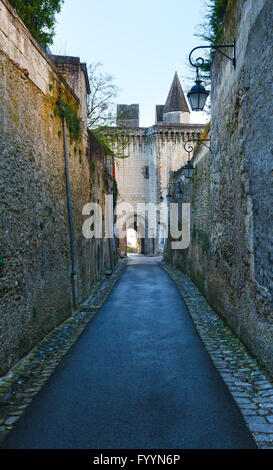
[[101, 113], [101, 99]]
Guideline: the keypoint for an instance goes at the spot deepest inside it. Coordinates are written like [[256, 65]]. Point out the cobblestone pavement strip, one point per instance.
[[248, 383], [19, 387]]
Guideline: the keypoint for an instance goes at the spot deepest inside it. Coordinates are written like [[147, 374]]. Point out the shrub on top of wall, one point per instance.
[[211, 29], [39, 17]]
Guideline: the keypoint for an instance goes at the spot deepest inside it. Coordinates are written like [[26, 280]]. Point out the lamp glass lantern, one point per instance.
[[188, 170], [198, 96], [179, 191]]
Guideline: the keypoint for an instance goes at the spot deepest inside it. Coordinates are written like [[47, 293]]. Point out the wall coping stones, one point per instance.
[[17, 20]]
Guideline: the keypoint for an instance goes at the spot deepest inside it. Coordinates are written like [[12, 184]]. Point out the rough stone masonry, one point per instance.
[[231, 253], [35, 250]]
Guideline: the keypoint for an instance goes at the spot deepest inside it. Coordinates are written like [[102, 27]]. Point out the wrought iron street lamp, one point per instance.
[[177, 180], [169, 196], [188, 170], [197, 96], [179, 191], [199, 141]]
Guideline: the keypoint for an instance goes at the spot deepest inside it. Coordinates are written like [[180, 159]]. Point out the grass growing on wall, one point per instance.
[[214, 20], [211, 28]]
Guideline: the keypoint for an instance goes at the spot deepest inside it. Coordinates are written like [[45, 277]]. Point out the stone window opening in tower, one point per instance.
[[146, 172]]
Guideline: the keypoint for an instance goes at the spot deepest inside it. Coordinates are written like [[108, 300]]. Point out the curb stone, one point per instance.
[[246, 380], [22, 383]]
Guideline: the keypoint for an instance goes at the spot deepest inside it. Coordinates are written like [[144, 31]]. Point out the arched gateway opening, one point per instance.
[[135, 236], [134, 241]]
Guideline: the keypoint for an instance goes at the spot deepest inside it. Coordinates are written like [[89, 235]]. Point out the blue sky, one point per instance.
[[140, 42]]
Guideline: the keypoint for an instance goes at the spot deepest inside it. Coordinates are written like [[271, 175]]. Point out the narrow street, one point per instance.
[[138, 377]]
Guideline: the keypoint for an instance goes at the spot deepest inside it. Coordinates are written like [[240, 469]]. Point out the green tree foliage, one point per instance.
[[39, 17], [114, 139]]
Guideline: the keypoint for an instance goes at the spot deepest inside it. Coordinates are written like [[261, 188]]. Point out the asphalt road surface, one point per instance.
[[137, 378]]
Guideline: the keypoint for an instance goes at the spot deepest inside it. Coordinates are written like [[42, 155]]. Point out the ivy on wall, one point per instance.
[[114, 140], [74, 123]]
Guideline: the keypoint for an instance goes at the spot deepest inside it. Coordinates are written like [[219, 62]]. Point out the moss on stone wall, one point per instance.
[[74, 123], [35, 261], [201, 238]]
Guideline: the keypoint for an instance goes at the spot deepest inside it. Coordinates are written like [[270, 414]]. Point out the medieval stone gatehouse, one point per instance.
[[153, 152]]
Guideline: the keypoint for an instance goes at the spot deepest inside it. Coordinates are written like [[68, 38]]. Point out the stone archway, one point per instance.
[[137, 225]]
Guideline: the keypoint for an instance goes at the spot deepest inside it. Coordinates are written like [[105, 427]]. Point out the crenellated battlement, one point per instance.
[[163, 133], [177, 133]]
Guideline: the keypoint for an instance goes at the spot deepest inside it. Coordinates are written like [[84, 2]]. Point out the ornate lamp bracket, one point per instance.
[[189, 148], [199, 62]]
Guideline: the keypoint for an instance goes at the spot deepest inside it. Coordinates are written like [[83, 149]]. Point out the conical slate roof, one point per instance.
[[176, 100]]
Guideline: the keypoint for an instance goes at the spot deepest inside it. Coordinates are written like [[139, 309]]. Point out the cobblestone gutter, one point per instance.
[[19, 387], [248, 383]]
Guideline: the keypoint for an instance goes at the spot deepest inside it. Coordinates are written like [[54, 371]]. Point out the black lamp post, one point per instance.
[[169, 196], [177, 180], [188, 170], [197, 96], [179, 192]]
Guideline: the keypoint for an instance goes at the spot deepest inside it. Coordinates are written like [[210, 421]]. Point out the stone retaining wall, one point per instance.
[[230, 257], [35, 251]]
